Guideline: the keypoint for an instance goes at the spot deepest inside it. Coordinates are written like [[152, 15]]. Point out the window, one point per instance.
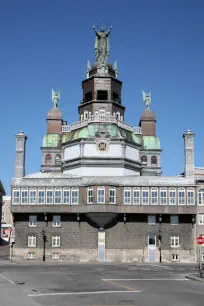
[[200, 218], [16, 196], [190, 196], [90, 195], [121, 118], [112, 193], [101, 195], [151, 219], [49, 198], [56, 221], [154, 196], [181, 196], [55, 241], [31, 241], [75, 196], [96, 113], [66, 196], [24, 196], [86, 114], [118, 115], [108, 114], [3, 217], [102, 112], [136, 196], [163, 196], [55, 255], [58, 159], [88, 96], [82, 117], [58, 195], [175, 257], [48, 159], [201, 197], [41, 196], [145, 196], [174, 220], [127, 195], [174, 241], [102, 95], [32, 221], [144, 159], [31, 255], [172, 196], [154, 160], [32, 198]]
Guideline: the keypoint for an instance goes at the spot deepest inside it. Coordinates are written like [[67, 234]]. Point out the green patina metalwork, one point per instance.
[[51, 140], [111, 130], [151, 142]]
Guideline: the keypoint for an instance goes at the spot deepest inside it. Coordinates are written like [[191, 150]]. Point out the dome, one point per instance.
[[148, 115], [54, 113]]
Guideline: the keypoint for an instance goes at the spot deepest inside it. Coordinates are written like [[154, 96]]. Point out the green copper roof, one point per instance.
[[151, 143], [93, 130], [51, 140]]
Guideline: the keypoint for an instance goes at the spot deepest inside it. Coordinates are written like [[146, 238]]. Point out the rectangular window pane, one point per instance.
[[56, 241], [151, 219], [16, 197], [174, 220], [145, 197], [74, 197], [190, 198], [163, 197], [32, 241], [24, 197], [172, 198], [66, 196], [32, 199], [112, 195], [154, 198], [56, 221], [90, 195], [32, 221], [127, 196], [174, 241], [201, 219], [181, 195], [49, 197], [58, 195], [101, 196], [41, 197], [136, 197]]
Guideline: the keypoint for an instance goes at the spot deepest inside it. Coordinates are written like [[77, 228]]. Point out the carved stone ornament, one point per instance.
[[102, 145]]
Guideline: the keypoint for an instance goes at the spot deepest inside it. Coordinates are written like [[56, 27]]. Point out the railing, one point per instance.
[[99, 118]]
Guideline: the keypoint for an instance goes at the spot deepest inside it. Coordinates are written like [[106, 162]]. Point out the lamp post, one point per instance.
[[44, 241]]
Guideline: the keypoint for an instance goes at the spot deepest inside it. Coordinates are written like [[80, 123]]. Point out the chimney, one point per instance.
[[20, 154], [189, 153]]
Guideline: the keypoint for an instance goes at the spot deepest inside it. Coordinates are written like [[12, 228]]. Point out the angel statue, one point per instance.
[[55, 97], [102, 47], [146, 98]]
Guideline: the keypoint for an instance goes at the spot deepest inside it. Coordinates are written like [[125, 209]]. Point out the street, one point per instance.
[[98, 284]]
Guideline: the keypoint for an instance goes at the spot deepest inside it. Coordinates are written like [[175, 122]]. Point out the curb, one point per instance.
[[195, 278]]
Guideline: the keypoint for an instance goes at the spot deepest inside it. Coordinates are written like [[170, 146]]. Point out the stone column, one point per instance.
[[20, 154], [189, 153], [124, 150], [81, 148]]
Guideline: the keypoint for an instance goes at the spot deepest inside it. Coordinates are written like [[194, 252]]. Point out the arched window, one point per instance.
[[58, 158], [48, 159], [75, 195], [127, 195], [112, 195], [136, 196], [201, 197], [163, 196], [154, 160], [154, 196], [190, 196], [101, 194], [144, 159], [181, 196], [172, 196], [118, 115]]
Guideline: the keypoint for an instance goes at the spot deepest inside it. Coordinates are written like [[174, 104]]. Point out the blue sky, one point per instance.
[[159, 46]]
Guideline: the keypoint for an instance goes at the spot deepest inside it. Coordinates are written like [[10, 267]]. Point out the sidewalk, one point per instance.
[[194, 278]]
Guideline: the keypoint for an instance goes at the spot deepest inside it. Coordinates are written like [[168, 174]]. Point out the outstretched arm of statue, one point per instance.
[[95, 30], [109, 31]]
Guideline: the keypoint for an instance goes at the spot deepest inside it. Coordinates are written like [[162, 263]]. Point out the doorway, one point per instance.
[[101, 246], [152, 248]]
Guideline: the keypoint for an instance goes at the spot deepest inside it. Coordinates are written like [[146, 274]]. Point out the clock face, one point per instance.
[[102, 145]]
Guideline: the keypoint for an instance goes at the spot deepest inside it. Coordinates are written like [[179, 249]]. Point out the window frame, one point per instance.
[[202, 218], [145, 189], [142, 159], [66, 189], [58, 189], [58, 159], [48, 159], [190, 200], [31, 224], [90, 189], [53, 255], [23, 197], [171, 219], [74, 189], [56, 225], [16, 197], [173, 240], [154, 190], [181, 189], [148, 219], [40, 197], [163, 189], [33, 240], [31, 257], [172, 190], [201, 197], [154, 158], [101, 188], [35, 201], [129, 190], [49, 190], [57, 240], [138, 201], [112, 196]]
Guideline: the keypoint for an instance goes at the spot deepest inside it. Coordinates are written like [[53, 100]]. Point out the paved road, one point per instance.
[[102, 284]]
